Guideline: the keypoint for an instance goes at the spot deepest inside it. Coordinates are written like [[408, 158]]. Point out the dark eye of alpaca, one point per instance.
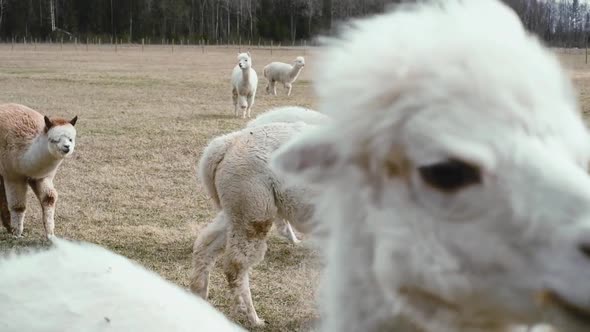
[[450, 176], [55, 141]]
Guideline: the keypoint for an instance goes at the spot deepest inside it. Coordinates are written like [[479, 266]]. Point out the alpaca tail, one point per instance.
[[210, 159], [4, 212]]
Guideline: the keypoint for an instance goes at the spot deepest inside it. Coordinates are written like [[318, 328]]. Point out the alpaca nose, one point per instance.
[[585, 249], [66, 148]]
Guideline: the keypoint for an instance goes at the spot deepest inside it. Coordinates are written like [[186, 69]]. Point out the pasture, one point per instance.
[[144, 118]]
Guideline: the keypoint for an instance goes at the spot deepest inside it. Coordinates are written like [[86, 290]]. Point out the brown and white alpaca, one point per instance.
[[32, 147]]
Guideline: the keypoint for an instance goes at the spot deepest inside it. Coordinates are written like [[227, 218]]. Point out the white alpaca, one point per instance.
[[83, 287], [454, 187], [284, 73], [244, 84], [234, 170], [289, 114], [31, 149]]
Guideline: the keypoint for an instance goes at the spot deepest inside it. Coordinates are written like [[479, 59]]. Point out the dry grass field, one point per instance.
[[144, 118]]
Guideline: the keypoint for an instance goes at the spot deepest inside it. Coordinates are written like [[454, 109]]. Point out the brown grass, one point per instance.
[[144, 118]]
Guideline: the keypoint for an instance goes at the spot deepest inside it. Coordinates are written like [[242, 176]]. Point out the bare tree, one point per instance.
[[53, 10], [2, 7]]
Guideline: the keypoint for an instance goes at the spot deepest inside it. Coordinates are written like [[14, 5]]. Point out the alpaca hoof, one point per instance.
[[258, 322]]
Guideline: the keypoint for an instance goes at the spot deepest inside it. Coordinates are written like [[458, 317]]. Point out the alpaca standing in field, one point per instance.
[[244, 84], [31, 149], [83, 287], [454, 188], [289, 114], [235, 173], [284, 73]]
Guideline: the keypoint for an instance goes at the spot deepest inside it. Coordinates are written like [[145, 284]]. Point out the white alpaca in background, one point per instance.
[[284, 73], [83, 287], [31, 149], [455, 187], [244, 84], [234, 170]]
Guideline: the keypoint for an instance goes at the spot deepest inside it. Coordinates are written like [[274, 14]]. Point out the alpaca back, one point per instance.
[[83, 287], [19, 126], [278, 71]]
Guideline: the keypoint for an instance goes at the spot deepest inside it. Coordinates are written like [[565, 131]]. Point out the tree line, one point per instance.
[[558, 22]]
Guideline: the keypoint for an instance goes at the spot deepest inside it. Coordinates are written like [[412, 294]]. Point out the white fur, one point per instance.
[[250, 197], [244, 84], [284, 73], [456, 80], [290, 114], [83, 287]]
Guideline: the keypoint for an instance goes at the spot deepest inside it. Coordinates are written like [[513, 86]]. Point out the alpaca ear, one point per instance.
[[248, 54], [48, 123], [311, 157], [73, 121]]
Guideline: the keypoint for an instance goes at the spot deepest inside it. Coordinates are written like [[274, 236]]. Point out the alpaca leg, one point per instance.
[[4, 212], [285, 229], [47, 196], [245, 247], [288, 86], [208, 245], [274, 88], [250, 103], [234, 96], [268, 87], [16, 196]]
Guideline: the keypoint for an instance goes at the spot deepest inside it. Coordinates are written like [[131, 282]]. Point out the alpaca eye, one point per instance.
[[450, 176]]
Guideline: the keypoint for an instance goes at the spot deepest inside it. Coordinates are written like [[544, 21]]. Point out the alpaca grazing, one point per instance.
[[83, 287], [284, 73], [234, 170], [454, 188], [31, 149], [244, 84]]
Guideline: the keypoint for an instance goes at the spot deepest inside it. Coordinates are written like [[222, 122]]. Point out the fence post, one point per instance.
[[172, 45], [203, 46], [142, 44], [586, 49], [271, 44]]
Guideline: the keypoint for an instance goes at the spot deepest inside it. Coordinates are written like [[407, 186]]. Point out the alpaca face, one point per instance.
[[61, 137], [300, 61], [467, 171], [244, 60]]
